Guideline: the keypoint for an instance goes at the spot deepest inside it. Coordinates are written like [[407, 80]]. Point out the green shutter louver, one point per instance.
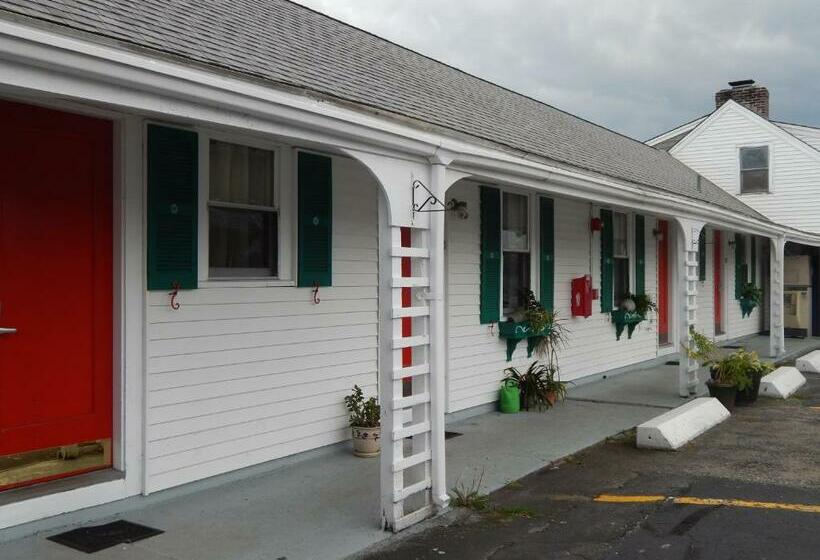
[[547, 250], [315, 215], [640, 255], [702, 255], [490, 299], [173, 182], [753, 265], [607, 247], [740, 267]]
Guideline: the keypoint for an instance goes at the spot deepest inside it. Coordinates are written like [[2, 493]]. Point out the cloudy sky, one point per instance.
[[638, 67]]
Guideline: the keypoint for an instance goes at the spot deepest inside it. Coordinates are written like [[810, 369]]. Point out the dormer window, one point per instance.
[[754, 170]]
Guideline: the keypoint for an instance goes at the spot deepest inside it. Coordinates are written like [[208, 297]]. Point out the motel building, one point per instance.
[[207, 240]]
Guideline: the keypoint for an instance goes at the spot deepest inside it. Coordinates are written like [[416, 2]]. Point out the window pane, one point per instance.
[[514, 234], [754, 181], [242, 242], [516, 280], [754, 158], [619, 235], [620, 280], [241, 174]]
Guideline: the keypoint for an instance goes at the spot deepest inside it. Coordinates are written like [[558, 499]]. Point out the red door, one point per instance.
[[663, 282], [55, 279], [718, 282]]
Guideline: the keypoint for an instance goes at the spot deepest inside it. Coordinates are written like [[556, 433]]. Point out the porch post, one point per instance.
[[777, 337], [438, 336], [687, 266]]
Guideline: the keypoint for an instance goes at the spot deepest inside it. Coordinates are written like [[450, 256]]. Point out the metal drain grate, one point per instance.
[[100, 537]]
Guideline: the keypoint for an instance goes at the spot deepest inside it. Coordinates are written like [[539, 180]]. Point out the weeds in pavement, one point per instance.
[[469, 495]]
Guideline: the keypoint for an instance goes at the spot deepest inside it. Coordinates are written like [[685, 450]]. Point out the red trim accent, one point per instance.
[[718, 280]]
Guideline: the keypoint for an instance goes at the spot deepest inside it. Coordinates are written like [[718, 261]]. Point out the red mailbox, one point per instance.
[[582, 296]]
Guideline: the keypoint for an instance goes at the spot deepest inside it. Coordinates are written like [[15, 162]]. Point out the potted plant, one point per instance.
[[539, 386], [365, 423], [759, 368], [750, 297], [632, 311], [731, 374]]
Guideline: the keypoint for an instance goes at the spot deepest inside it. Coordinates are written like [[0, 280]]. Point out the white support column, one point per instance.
[[438, 335], [687, 263], [777, 337]]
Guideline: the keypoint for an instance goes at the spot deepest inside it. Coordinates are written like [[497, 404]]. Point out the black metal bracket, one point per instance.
[[432, 203]]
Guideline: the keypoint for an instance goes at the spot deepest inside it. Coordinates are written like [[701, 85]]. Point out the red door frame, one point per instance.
[[78, 149], [663, 282], [717, 280]]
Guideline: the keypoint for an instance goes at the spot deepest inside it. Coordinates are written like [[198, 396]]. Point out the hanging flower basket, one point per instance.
[[628, 320], [515, 332], [747, 305]]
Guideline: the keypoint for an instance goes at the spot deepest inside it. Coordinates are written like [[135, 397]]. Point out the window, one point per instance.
[[515, 246], [754, 170], [620, 258], [242, 214]]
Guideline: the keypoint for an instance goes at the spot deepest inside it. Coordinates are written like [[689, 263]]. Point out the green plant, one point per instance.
[[643, 303], [737, 369], [540, 385], [470, 496], [548, 344], [752, 293], [703, 349], [363, 413]]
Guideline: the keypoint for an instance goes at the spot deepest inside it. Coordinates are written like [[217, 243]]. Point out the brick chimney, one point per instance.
[[745, 92]]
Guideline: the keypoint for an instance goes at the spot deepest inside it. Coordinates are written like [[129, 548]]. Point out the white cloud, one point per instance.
[[635, 66]]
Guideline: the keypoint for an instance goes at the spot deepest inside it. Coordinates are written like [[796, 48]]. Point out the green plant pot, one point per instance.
[[509, 400], [748, 395], [726, 394]]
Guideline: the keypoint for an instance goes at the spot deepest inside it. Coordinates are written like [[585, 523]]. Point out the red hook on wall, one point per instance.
[[174, 303], [316, 299]]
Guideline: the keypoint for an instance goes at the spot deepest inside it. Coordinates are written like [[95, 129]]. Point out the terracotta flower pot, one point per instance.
[[366, 441], [552, 396]]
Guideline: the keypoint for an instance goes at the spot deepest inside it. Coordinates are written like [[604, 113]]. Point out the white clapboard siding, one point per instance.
[[477, 356], [245, 374], [736, 324], [795, 173]]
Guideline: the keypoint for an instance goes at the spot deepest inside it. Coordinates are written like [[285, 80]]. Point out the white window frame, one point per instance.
[[770, 188], [283, 196], [630, 253], [533, 238]]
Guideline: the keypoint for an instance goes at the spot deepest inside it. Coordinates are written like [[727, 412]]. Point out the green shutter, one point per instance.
[[753, 267], [315, 213], [172, 207], [607, 247], [740, 268], [640, 255], [490, 307], [547, 238], [702, 255]]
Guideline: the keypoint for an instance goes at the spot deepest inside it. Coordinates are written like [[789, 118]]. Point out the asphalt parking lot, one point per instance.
[[748, 489]]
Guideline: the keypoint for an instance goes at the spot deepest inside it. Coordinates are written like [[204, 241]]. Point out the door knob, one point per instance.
[[4, 330]]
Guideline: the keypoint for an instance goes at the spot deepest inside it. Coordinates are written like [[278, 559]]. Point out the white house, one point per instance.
[[208, 237], [772, 166]]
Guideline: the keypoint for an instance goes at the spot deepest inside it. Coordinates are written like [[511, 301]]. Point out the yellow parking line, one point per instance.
[[618, 499], [747, 504], [692, 501]]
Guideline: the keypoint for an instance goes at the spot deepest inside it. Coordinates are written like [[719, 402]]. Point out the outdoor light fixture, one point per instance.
[[596, 224], [433, 204], [657, 234]]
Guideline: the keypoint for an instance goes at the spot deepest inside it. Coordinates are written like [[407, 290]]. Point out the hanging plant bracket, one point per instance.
[[516, 332], [626, 320]]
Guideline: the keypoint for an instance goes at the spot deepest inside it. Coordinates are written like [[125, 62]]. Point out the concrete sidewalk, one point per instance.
[[324, 504]]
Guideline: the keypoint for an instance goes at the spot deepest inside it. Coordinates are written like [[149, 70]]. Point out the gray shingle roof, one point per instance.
[[285, 43]]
